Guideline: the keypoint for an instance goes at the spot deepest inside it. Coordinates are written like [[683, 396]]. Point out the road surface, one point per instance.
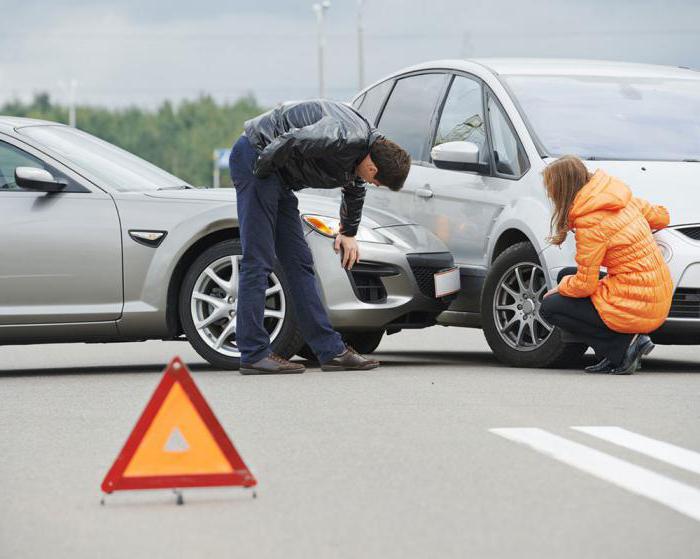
[[442, 452]]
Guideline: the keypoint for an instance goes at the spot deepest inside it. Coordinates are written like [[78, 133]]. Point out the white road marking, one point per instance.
[[666, 452], [676, 495]]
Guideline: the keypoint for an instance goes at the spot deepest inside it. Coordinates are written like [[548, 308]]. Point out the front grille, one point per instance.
[[424, 267], [425, 278], [369, 288], [366, 280], [686, 303], [692, 232]]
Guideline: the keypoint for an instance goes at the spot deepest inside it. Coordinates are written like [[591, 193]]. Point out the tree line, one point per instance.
[[180, 137]]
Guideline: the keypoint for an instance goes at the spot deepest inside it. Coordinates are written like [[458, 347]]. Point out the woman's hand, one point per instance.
[[351, 252], [551, 292]]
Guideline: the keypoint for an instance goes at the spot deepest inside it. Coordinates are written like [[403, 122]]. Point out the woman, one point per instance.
[[611, 313]]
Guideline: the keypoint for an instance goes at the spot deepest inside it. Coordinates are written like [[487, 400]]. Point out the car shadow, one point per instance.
[[99, 370], [395, 359]]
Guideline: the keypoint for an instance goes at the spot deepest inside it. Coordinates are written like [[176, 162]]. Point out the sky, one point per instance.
[[142, 52]]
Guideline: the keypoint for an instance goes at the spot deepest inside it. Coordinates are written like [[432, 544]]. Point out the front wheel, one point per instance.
[[208, 305], [510, 305]]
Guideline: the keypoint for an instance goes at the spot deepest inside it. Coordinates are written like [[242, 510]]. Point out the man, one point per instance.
[[308, 144]]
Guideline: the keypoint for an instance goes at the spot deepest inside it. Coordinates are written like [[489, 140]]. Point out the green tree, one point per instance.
[[177, 137]]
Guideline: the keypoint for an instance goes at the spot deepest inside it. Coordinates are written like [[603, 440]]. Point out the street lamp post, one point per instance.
[[360, 47], [320, 10]]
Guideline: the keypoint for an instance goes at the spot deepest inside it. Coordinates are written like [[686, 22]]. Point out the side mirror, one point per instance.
[[458, 156], [37, 179]]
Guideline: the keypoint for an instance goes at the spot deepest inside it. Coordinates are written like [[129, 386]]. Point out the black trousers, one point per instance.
[[579, 317]]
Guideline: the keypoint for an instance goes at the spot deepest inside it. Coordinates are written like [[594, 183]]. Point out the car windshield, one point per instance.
[[108, 164], [623, 118]]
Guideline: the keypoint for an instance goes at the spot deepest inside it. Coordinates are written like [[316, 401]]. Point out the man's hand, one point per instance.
[[350, 250]]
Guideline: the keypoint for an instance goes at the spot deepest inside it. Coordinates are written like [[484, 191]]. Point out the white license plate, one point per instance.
[[447, 282]]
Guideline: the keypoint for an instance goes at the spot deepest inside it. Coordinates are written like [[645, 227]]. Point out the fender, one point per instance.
[[145, 300]]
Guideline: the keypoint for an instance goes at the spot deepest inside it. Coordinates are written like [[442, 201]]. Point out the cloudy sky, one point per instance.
[[141, 52]]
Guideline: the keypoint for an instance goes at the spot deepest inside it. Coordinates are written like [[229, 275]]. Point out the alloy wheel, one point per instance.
[[516, 307], [214, 305]]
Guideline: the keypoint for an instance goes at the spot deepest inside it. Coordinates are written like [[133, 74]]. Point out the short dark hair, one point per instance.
[[392, 161]]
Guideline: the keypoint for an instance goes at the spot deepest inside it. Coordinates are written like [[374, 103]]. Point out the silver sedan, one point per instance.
[[101, 246]]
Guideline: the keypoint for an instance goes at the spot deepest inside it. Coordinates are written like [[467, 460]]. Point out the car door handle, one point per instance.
[[424, 192]]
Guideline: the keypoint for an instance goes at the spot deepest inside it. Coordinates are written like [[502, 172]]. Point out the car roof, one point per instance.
[[583, 67], [561, 67], [9, 123]]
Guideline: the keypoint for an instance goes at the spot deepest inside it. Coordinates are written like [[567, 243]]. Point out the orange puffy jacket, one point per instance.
[[613, 229]]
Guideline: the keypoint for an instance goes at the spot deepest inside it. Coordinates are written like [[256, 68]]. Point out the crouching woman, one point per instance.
[[611, 313]]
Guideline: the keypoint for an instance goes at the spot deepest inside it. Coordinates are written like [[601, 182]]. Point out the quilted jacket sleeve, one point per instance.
[[591, 245], [309, 141], [351, 208], [657, 216]]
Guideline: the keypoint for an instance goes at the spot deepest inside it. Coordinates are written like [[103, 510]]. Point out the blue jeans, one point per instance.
[[269, 225]]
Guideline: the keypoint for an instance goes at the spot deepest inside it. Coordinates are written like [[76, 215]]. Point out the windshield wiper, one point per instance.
[[178, 187]]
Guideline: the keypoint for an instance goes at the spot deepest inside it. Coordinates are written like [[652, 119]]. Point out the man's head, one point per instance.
[[387, 165]]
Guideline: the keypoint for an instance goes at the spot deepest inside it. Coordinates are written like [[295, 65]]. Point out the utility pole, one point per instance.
[[72, 86], [69, 90], [320, 9], [360, 47]]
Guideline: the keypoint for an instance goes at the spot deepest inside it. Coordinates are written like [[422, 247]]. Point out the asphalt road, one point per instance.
[[399, 462]]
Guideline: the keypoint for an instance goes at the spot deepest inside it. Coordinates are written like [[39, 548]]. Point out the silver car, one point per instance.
[[480, 133], [100, 246]]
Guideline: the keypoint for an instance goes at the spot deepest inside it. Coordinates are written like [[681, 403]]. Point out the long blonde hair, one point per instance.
[[563, 179]]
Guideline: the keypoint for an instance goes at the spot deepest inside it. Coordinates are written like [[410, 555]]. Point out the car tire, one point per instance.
[[203, 297], [512, 293], [363, 342]]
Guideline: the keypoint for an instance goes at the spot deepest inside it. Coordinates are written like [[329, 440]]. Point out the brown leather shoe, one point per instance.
[[350, 360], [272, 365]]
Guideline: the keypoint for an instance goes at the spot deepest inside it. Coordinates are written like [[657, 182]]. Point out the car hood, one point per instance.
[[675, 185], [308, 203]]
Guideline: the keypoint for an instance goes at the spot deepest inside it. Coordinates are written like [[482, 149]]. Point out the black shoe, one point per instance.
[[603, 367], [350, 360], [271, 365], [641, 345]]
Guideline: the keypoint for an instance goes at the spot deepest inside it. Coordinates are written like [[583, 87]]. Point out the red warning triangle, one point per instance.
[[177, 442]]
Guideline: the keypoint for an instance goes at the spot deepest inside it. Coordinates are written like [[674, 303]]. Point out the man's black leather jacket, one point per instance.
[[315, 144]]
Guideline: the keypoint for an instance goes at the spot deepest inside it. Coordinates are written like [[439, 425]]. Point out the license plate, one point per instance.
[[447, 282]]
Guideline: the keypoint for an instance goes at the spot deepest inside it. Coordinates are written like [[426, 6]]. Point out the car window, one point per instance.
[[103, 161], [11, 158], [462, 117], [371, 102], [508, 154], [408, 113]]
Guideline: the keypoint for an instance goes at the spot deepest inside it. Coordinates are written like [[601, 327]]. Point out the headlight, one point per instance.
[[666, 251], [329, 226]]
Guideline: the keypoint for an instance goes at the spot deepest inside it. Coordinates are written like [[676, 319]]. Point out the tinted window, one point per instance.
[[407, 116], [462, 117], [508, 155], [10, 159], [372, 100], [610, 117]]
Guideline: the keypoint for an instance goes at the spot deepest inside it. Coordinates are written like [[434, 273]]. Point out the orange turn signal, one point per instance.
[[320, 225]]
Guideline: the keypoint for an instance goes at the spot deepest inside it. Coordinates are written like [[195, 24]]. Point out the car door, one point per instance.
[[407, 118], [61, 256], [462, 207]]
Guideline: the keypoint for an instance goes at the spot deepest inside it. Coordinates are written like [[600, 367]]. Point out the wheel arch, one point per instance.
[[506, 239], [188, 257]]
